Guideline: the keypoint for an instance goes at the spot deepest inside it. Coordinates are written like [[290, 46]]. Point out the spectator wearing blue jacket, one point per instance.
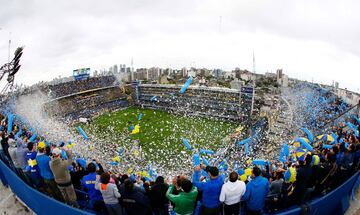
[[43, 162], [210, 190], [32, 169], [88, 183], [256, 192]]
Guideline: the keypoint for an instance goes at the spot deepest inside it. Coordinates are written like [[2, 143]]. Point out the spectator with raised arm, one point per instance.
[[185, 200], [210, 190]]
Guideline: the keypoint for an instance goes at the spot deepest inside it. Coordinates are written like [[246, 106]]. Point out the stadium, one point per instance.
[[222, 108], [151, 130]]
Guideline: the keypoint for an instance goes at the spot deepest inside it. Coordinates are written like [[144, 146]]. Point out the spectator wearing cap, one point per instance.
[[159, 202], [256, 192], [109, 193], [59, 167], [43, 161], [88, 183], [32, 168], [185, 200], [210, 190], [231, 193]]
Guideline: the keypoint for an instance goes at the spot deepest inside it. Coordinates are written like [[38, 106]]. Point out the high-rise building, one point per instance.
[[115, 68], [218, 73], [184, 72], [122, 68], [279, 74]]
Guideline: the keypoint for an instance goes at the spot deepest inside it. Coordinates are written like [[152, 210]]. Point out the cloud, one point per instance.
[[309, 39]]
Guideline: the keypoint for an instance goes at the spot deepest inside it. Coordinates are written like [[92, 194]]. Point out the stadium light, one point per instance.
[[16, 65]]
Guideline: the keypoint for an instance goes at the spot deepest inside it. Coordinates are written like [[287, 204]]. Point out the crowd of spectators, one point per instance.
[[66, 88], [51, 169]]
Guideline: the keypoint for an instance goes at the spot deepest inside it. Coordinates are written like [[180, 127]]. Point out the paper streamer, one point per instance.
[[357, 120], [153, 99], [247, 149], [206, 162], [326, 146], [196, 159], [10, 122], [82, 132], [140, 116], [33, 137], [259, 162], [206, 151], [247, 140], [304, 144], [309, 135], [186, 85], [186, 143]]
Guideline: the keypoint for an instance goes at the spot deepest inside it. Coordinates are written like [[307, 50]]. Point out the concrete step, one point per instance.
[[11, 204]]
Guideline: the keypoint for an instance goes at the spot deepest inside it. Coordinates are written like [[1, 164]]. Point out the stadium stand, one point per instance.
[[320, 178]]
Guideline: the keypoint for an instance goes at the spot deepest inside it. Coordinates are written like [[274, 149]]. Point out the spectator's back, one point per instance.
[[256, 192], [133, 200]]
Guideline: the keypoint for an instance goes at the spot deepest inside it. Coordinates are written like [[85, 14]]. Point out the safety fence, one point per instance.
[[336, 202], [35, 200]]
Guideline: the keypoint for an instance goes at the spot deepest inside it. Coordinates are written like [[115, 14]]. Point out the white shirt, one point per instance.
[[231, 192]]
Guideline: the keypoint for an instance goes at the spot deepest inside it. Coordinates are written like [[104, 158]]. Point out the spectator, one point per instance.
[[177, 184], [5, 144], [331, 179], [184, 201], [159, 202], [88, 183], [17, 155], [302, 183], [32, 168], [256, 192], [77, 173], [346, 161], [231, 193], [210, 190], [109, 193], [43, 162], [62, 177], [133, 199], [275, 186], [21, 151]]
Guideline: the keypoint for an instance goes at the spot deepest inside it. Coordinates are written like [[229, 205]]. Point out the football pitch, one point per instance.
[[160, 133]]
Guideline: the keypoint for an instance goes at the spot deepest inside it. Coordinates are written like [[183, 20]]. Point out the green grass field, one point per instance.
[[160, 133]]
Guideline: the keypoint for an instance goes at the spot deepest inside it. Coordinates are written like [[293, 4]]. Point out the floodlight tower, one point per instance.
[[254, 71], [9, 48], [132, 69], [253, 94]]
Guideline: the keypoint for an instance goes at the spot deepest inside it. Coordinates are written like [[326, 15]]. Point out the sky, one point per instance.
[[308, 39]]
